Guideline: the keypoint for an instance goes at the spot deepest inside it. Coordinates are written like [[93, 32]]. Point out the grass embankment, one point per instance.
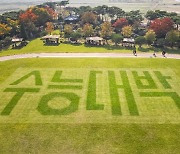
[[88, 138], [37, 46]]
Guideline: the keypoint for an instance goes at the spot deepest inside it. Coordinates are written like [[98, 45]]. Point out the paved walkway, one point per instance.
[[87, 55]]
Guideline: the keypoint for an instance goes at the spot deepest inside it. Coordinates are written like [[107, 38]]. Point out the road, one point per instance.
[[87, 55]]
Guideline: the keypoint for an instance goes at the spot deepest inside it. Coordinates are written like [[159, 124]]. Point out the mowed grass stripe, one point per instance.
[[120, 81]]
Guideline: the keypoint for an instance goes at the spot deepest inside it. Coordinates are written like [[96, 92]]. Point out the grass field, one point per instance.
[[36, 46], [146, 121]]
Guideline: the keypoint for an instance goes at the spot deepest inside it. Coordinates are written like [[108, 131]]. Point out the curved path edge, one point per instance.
[[87, 55]]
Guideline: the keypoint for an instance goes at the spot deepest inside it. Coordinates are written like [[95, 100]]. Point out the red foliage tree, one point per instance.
[[28, 16], [51, 12], [162, 26], [120, 23]]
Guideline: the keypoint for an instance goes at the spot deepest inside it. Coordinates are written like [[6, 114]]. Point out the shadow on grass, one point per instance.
[[20, 46], [148, 49], [173, 50], [10, 47], [167, 49], [4, 48], [73, 43], [52, 44]]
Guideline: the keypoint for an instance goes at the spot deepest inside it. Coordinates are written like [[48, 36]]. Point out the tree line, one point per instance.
[[111, 23]]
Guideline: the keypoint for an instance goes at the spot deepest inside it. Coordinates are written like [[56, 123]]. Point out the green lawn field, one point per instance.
[[90, 106], [37, 46]]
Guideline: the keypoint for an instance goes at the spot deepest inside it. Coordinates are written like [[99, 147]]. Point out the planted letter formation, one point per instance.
[[91, 96]]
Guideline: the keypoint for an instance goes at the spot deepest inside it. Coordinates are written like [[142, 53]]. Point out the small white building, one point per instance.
[[95, 40], [128, 42], [51, 39]]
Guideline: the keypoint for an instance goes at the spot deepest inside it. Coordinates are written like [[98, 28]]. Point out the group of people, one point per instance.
[[154, 54]]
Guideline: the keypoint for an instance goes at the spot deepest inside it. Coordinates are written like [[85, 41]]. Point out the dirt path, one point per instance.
[[87, 55]]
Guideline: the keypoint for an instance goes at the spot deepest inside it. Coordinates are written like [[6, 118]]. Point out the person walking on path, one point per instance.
[[135, 52], [154, 54], [163, 53]]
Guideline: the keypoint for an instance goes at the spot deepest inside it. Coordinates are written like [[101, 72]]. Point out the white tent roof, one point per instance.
[[17, 39], [129, 40], [51, 37], [94, 38]]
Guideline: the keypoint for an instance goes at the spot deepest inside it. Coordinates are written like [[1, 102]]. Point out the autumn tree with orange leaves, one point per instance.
[[4, 29], [106, 30], [51, 12], [49, 27], [35, 17], [27, 22], [28, 16]]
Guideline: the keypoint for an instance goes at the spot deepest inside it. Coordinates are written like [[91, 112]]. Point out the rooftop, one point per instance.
[[51, 37]]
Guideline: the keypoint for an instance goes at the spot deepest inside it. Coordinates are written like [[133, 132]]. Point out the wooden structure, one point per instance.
[[95, 41], [18, 42], [51, 39], [128, 42]]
